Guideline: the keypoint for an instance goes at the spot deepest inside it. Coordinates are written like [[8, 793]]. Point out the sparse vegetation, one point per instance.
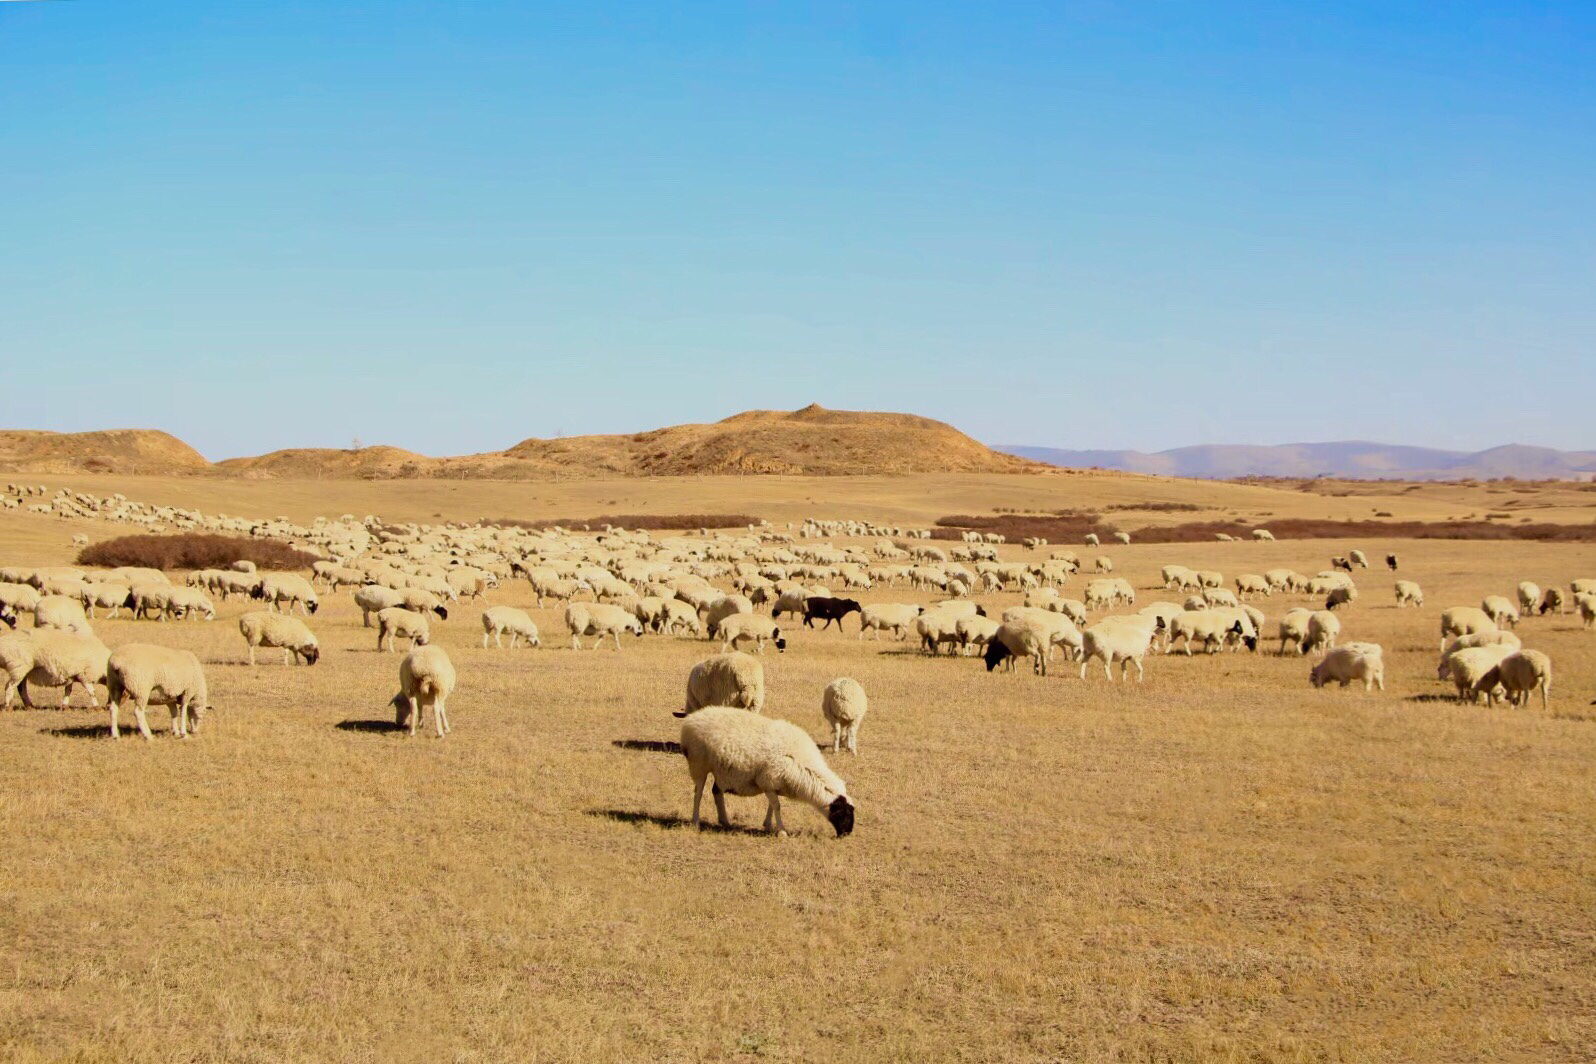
[[648, 522]]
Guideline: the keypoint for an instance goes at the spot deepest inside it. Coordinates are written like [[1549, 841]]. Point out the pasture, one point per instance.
[[1219, 863]]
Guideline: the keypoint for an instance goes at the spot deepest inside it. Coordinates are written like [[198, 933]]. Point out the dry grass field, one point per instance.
[[1218, 864]]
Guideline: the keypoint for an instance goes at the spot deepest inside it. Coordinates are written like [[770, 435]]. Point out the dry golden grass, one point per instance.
[[1218, 864]]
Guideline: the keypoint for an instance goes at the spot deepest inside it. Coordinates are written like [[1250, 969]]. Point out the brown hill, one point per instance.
[[146, 452], [813, 441]]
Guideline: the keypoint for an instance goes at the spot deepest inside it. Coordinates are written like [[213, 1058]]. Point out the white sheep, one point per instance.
[[1586, 604], [284, 591], [396, 622], [1529, 596], [1357, 557], [844, 705], [1340, 596], [1122, 537], [58, 611], [599, 619], [1519, 675], [498, 620], [373, 598], [1124, 638], [1408, 593], [724, 607], [750, 755], [1348, 662], [1464, 620], [893, 617], [1251, 584], [1500, 610], [735, 679], [262, 628], [974, 633], [163, 676], [1324, 628], [1211, 629], [1263, 535], [1467, 667], [52, 659], [754, 626], [426, 680]]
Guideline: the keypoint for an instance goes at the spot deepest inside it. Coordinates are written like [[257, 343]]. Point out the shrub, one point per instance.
[[635, 522], [193, 551], [1069, 530]]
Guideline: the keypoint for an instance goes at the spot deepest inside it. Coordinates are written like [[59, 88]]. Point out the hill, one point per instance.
[[145, 452], [1357, 459]]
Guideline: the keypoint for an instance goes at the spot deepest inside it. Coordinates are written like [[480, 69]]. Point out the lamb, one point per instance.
[[284, 591], [497, 620], [426, 680], [749, 755], [146, 673], [599, 619], [373, 598], [736, 680], [1467, 667], [1502, 612], [52, 659], [1408, 593], [1529, 596], [262, 628], [1340, 596], [844, 705], [1519, 675], [1323, 631], [397, 622], [881, 617], [1125, 639], [1464, 620], [58, 611], [1351, 661], [1294, 630]]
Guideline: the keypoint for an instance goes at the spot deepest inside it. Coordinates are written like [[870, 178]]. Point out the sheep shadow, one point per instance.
[[1447, 699], [652, 746], [81, 731], [669, 823], [373, 727]]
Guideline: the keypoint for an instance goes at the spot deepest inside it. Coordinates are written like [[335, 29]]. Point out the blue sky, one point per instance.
[[451, 226]]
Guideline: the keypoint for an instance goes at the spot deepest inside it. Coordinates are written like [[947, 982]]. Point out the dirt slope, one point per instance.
[[145, 452]]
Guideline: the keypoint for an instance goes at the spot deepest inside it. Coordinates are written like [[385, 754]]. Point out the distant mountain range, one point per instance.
[[1357, 459]]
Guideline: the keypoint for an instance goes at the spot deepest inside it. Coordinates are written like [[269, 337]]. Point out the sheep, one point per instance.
[[881, 617], [262, 628], [1408, 593], [373, 598], [1263, 535], [1358, 558], [188, 601], [735, 679], [1351, 661], [1208, 578], [58, 611], [677, 617], [937, 627], [420, 600], [600, 619], [1211, 629], [243, 565], [426, 680], [105, 596], [1391, 562], [1552, 601], [1464, 620], [1249, 584], [398, 622], [829, 610], [1584, 585], [1500, 610], [720, 609], [52, 659], [1061, 630], [1323, 631], [146, 673], [1467, 667], [1341, 562], [1340, 596], [1103, 565], [1529, 596], [844, 704], [1519, 675], [1495, 638], [1294, 630], [1586, 604], [1022, 637], [755, 626], [23, 598], [750, 755], [1220, 597], [497, 620], [1091, 540], [284, 591], [1122, 537], [1125, 639]]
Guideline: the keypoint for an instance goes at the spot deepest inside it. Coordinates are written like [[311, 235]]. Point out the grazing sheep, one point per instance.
[[1211, 629], [894, 617], [1529, 596], [755, 626], [262, 628], [1552, 601], [1294, 630], [1467, 667], [938, 628], [426, 680], [844, 705], [1103, 565], [1323, 631], [1391, 562], [1464, 620], [1351, 661], [1125, 639], [720, 609], [149, 674], [373, 598], [1495, 638], [106, 596], [1502, 612], [1519, 675], [974, 632], [1340, 596], [185, 602], [750, 755], [1584, 585], [1586, 604], [1408, 594], [1263, 535], [284, 591], [1250, 584], [58, 611], [1218, 596], [498, 620], [600, 619], [1091, 540], [829, 610], [396, 622], [736, 680], [23, 598], [1341, 562], [1358, 558], [52, 659]]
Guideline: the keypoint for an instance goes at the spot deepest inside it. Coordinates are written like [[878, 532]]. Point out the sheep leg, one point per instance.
[[116, 733], [440, 717], [773, 813], [720, 804], [698, 798], [139, 715], [617, 634], [415, 712]]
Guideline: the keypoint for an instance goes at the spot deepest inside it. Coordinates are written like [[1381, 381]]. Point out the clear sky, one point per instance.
[[453, 225]]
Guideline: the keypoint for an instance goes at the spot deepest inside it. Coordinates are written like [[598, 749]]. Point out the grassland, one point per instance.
[[1218, 864]]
